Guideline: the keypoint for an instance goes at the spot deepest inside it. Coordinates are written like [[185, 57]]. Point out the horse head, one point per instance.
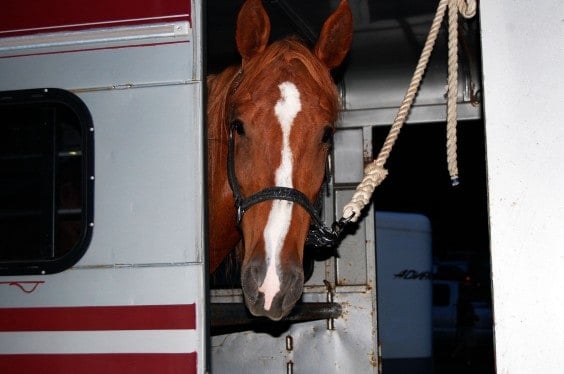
[[282, 108]]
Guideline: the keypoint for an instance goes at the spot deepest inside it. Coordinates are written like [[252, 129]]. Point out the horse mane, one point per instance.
[[217, 113], [218, 96]]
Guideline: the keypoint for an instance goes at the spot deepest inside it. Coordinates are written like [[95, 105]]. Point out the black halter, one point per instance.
[[319, 235]]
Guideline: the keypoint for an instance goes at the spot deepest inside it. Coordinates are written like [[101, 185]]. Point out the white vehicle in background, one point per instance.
[[404, 259]]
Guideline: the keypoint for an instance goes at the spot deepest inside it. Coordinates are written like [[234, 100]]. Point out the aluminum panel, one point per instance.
[[383, 60], [102, 69], [352, 262], [350, 348], [348, 155], [148, 204], [157, 285]]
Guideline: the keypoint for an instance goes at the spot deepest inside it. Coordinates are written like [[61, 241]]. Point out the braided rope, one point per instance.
[[451, 140], [375, 173], [454, 7]]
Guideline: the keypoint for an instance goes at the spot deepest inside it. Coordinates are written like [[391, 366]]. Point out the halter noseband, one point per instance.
[[319, 234]]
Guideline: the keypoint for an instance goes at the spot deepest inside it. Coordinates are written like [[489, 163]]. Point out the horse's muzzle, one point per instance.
[[282, 303]]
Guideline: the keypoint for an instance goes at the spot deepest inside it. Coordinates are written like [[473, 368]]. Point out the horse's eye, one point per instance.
[[327, 135], [237, 125]]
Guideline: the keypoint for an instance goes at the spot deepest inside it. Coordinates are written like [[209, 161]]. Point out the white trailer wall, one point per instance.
[[523, 69]]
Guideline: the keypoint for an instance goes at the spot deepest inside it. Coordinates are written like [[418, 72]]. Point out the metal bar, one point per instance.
[[236, 314], [96, 36]]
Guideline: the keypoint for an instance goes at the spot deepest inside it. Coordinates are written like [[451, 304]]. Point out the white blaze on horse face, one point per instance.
[[276, 229]]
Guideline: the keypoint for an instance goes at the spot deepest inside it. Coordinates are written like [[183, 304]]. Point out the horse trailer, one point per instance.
[[103, 200], [115, 90]]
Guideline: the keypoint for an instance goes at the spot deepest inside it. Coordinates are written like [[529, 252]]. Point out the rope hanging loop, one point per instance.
[[467, 8]]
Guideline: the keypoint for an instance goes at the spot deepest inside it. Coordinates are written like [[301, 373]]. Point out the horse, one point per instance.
[[270, 126]]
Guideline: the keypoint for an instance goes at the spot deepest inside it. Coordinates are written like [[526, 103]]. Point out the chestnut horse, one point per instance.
[[270, 123]]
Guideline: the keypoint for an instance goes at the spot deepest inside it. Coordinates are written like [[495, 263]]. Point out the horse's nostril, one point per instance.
[[252, 275], [293, 290], [257, 273]]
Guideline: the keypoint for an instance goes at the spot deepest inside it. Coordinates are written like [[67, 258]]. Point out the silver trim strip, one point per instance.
[[114, 35]]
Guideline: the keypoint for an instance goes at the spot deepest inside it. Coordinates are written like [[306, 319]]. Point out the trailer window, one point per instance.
[[46, 180]]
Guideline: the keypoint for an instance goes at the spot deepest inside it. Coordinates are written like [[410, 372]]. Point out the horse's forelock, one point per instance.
[[286, 57]]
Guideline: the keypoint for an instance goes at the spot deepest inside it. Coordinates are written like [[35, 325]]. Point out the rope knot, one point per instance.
[[467, 8], [374, 174]]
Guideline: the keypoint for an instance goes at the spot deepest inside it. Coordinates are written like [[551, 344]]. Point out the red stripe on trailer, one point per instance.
[[93, 318], [162, 363], [29, 17]]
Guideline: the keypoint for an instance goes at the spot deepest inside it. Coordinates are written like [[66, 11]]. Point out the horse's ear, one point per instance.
[[335, 37], [253, 29]]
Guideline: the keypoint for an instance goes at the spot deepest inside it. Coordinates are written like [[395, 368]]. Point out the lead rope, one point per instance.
[[375, 173]]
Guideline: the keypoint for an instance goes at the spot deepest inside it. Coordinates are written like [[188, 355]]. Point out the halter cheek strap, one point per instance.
[[319, 235]]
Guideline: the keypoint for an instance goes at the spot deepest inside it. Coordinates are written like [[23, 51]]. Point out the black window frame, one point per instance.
[[57, 96]]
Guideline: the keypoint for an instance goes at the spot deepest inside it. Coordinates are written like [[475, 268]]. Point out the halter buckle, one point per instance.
[[240, 212]]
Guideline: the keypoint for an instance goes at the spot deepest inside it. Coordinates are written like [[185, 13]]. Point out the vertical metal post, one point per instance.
[[330, 321]]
